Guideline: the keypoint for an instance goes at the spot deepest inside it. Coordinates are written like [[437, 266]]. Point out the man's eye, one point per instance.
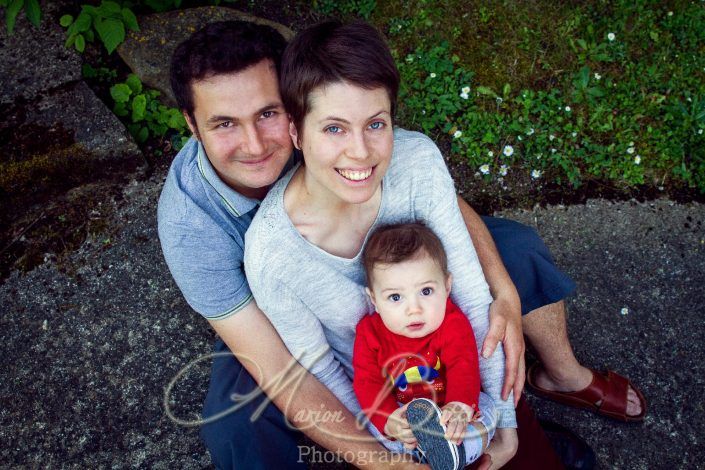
[[332, 129], [395, 297], [377, 125], [427, 291], [267, 114], [225, 125]]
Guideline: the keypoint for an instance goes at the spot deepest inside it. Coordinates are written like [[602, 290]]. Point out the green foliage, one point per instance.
[[13, 8], [145, 116], [109, 20], [625, 106], [360, 8]]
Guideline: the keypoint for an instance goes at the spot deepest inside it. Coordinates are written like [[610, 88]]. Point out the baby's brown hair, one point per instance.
[[391, 244]]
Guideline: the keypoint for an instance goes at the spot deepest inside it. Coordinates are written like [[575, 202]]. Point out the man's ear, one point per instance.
[[371, 295], [449, 282], [294, 135], [191, 125]]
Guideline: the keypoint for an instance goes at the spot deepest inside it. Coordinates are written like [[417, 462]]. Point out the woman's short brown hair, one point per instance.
[[391, 244], [332, 52]]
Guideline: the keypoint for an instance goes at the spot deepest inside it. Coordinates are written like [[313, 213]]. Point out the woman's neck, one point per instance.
[[336, 226]]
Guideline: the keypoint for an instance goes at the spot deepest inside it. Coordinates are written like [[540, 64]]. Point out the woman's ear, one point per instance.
[[294, 135]]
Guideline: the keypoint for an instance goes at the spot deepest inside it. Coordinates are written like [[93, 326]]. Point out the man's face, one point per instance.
[[241, 122]]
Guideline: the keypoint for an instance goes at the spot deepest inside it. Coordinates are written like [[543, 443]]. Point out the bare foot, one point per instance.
[[577, 381]]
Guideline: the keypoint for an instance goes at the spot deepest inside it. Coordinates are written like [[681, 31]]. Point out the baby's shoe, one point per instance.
[[424, 417]]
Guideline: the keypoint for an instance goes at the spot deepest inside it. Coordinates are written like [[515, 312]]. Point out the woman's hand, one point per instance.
[[398, 427], [505, 326]]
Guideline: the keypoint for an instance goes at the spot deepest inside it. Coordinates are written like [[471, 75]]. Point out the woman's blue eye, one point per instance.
[[332, 129], [427, 291], [395, 297], [376, 125]]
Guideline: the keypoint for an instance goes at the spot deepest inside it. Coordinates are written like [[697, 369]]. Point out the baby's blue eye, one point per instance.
[[395, 297], [427, 291], [332, 129]]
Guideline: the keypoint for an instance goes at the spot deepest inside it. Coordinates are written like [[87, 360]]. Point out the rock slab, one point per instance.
[[148, 51]]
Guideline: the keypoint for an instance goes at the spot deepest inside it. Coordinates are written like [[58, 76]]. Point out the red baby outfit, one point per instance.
[[442, 366]]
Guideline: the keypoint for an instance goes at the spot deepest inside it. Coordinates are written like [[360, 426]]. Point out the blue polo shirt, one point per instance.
[[202, 224]]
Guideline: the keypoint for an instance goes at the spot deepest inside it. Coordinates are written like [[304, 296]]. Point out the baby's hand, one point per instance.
[[455, 416], [398, 427]]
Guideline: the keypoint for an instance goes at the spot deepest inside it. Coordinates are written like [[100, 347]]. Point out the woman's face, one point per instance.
[[347, 141]]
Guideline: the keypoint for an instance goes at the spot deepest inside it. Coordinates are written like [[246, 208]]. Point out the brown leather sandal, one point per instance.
[[608, 389]]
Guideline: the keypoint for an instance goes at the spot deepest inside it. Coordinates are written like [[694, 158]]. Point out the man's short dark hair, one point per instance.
[[396, 243], [332, 52], [220, 48]]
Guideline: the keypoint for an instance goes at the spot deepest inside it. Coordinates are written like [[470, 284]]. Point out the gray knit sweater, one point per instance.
[[315, 299]]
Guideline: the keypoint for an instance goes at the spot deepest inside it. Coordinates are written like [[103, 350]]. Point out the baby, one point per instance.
[[417, 352]]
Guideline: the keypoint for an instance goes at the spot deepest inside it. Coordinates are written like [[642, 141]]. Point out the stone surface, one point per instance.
[[77, 109], [91, 345], [33, 60], [148, 51]]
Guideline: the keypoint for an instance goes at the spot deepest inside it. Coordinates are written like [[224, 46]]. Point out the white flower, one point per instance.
[[574, 134], [519, 137], [535, 174], [553, 150], [611, 36], [503, 170], [551, 137], [508, 150], [700, 131], [423, 111], [530, 131], [433, 75], [485, 169], [499, 100], [490, 153], [465, 89], [624, 311], [630, 150], [567, 109], [464, 96], [631, 144], [457, 134], [670, 13], [637, 160], [597, 76]]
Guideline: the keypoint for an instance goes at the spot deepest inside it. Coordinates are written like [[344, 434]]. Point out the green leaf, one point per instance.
[[89, 35], [66, 20], [142, 135], [120, 92], [83, 22], [33, 12], [653, 35], [70, 40], [582, 43], [176, 119], [109, 8], [139, 106], [111, 32], [120, 109], [80, 43], [130, 19], [11, 14], [506, 90], [133, 81], [483, 90]]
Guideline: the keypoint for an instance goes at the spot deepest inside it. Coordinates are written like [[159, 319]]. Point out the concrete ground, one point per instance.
[[90, 345]]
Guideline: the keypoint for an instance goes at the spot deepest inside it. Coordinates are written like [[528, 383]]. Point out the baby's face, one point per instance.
[[410, 296]]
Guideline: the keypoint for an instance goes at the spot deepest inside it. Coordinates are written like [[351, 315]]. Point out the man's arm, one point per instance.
[[505, 311], [252, 338]]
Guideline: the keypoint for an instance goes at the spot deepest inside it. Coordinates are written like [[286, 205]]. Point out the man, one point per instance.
[[225, 81]]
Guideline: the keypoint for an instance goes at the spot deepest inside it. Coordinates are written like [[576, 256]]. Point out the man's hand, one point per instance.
[[505, 326], [398, 427], [503, 447], [455, 416]]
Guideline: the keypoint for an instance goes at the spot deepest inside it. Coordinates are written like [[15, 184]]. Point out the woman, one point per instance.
[[302, 258]]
